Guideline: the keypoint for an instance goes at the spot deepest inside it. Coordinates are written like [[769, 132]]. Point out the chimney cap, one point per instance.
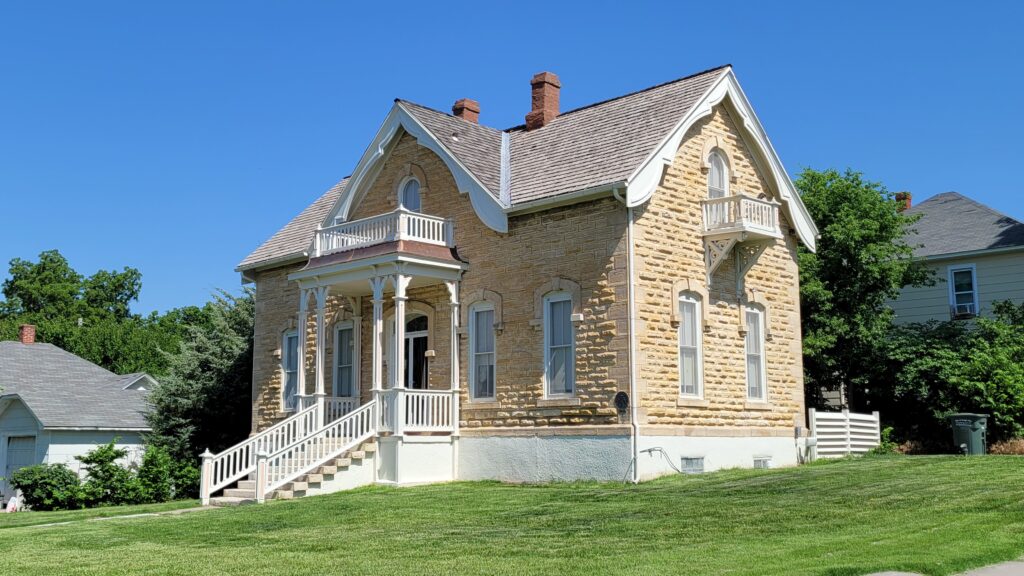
[[467, 109], [548, 77]]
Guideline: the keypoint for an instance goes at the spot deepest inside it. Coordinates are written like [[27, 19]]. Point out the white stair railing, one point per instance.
[[305, 455], [223, 469], [337, 406]]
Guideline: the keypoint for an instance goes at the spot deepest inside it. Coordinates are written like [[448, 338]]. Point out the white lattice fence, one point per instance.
[[843, 433]]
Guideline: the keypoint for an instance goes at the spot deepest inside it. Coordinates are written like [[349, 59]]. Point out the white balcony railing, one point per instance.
[[405, 410], [391, 227], [741, 214]]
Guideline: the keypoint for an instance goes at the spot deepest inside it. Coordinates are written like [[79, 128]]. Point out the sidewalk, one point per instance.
[[1015, 568]]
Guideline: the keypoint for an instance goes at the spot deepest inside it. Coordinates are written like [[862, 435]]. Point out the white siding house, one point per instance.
[[55, 406], [977, 255]]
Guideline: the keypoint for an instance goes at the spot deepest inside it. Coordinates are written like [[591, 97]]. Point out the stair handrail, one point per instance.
[[232, 464], [316, 449]]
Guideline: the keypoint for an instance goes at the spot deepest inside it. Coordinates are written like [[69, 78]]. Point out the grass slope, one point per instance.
[[935, 515]]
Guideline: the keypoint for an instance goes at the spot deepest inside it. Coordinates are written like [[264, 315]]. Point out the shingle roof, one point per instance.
[[477, 147], [951, 222], [63, 390], [602, 143], [294, 239], [599, 144]]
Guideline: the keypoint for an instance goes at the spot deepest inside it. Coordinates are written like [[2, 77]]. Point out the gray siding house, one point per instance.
[[977, 255], [55, 406]]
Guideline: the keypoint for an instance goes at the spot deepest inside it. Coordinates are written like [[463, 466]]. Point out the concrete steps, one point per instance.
[[308, 484]]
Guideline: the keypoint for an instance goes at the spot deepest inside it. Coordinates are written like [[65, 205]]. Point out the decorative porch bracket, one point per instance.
[[746, 256], [716, 251]]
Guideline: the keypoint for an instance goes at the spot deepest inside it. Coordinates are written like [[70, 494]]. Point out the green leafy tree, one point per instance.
[[204, 401], [862, 261]]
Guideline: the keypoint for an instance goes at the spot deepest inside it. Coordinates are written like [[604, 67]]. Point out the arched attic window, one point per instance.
[[411, 195], [718, 175]]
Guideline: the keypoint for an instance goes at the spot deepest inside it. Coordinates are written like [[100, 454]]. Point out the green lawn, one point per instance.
[[36, 518], [935, 515]]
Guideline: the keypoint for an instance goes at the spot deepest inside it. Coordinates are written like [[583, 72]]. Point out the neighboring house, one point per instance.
[[616, 285], [976, 252], [55, 406]]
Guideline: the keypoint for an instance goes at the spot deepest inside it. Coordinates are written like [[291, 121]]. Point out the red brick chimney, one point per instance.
[[904, 199], [467, 109], [545, 100], [27, 334]]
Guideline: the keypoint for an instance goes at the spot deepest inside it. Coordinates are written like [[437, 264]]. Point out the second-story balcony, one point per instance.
[[741, 216], [400, 225]]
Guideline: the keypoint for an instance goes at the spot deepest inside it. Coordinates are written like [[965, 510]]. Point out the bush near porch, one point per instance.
[[932, 514]]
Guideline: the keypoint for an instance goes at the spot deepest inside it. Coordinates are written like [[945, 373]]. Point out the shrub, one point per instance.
[[1013, 447], [887, 445], [107, 482], [185, 476], [49, 487], [155, 475]]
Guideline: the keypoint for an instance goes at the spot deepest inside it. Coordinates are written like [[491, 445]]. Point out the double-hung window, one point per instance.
[[481, 345], [290, 369], [963, 292], [559, 345], [344, 360], [756, 389], [689, 346]]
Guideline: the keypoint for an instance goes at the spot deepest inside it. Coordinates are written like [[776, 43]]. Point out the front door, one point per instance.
[[21, 452], [416, 352]]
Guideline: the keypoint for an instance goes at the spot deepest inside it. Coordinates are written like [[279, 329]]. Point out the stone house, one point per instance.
[[605, 293]]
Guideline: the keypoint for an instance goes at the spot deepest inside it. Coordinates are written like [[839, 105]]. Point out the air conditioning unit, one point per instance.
[[963, 311]]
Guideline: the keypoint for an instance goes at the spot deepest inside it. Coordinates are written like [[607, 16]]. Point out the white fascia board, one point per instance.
[[643, 182], [484, 203], [971, 253]]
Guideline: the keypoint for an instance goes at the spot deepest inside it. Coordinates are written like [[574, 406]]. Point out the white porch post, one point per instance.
[[300, 331], [377, 285], [318, 394], [398, 377], [453, 295]]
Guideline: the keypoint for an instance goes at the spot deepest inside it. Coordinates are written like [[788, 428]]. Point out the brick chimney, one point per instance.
[[467, 109], [904, 199], [27, 334], [544, 100]]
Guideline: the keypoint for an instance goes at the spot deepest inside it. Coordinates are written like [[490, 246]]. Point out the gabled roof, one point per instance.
[[602, 143], [951, 223], [294, 239], [622, 142], [65, 391]]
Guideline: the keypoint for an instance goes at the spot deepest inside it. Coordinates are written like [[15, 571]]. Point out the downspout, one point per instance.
[[631, 299]]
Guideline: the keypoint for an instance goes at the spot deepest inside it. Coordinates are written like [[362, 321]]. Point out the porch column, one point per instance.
[[300, 331], [318, 394], [398, 378], [377, 285], [453, 295]]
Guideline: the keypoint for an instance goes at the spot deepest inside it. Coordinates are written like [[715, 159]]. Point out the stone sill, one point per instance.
[[557, 402], [482, 405], [692, 402], [758, 406], [282, 414]]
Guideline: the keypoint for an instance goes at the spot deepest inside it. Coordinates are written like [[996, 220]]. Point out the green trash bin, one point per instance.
[[969, 432]]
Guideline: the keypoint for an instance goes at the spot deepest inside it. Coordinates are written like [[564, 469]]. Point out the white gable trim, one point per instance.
[[643, 182], [487, 207]]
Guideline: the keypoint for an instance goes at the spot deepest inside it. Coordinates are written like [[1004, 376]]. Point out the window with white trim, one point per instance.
[[481, 350], [290, 369], [411, 195], [344, 360], [963, 291], [756, 389], [718, 175], [689, 346], [559, 345]]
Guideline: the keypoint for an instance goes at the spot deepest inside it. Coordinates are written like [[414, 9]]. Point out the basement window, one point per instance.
[[692, 465], [762, 462]]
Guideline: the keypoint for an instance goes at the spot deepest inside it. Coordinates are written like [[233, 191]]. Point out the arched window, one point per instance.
[[690, 336], [718, 175], [411, 195]]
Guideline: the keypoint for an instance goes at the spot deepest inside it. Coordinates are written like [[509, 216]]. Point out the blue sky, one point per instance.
[[176, 137]]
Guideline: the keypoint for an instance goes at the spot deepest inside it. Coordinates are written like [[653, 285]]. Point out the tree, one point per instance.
[[862, 261], [204, 400]]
